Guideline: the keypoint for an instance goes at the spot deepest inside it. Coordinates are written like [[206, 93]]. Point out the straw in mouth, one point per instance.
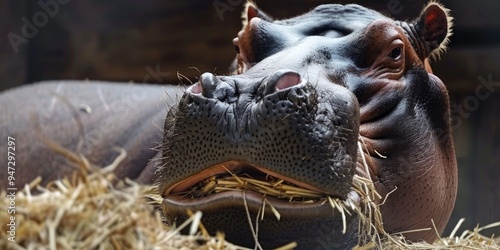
[[247, 178], [235, 175]]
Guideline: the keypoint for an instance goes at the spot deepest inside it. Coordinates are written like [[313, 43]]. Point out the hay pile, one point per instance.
[[467, 240], [93, 210]]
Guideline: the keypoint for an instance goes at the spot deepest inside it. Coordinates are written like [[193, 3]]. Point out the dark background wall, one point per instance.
[[152, 41]]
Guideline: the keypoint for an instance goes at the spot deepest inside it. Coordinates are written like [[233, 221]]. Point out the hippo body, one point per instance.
[[112, 115], [304, 94]]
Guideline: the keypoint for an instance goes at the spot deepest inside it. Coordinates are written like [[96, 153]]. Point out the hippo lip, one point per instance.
[[178, 204]]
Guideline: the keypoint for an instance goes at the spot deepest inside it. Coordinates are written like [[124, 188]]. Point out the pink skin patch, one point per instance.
[[288, 80], [196, 89]]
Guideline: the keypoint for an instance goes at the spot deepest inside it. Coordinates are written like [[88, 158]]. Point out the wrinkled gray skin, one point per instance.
[[304, 90], [121, 115]]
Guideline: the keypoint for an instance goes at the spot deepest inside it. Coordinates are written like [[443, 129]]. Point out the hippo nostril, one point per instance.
[[211, 86], [288, 80], [208, 83], [196, 88], [282, 79]]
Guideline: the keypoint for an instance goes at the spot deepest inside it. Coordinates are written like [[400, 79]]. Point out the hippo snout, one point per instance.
[[278, 126], [278, 123]]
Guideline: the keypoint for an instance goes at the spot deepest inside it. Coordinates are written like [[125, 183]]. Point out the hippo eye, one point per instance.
[[395, 53]]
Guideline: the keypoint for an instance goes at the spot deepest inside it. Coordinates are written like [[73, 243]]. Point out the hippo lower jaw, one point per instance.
[[309, 225], [278, 218]]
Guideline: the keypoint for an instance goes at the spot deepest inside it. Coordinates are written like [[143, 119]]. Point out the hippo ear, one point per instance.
[[434, 28], [251, 11]]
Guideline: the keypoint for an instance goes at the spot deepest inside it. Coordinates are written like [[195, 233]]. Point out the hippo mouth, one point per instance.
[[231, 183], [204, 183], [234, 192]]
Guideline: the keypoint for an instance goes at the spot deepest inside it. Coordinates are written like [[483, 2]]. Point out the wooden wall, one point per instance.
[[152, 41]]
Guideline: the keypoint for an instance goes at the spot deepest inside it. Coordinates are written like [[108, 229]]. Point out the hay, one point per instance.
[[467, 240], [93, 210]]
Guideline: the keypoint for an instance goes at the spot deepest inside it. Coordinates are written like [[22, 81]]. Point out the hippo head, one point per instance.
[[315, 100]]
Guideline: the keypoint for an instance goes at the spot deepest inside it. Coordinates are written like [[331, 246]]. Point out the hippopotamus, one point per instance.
[[314, 100]]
